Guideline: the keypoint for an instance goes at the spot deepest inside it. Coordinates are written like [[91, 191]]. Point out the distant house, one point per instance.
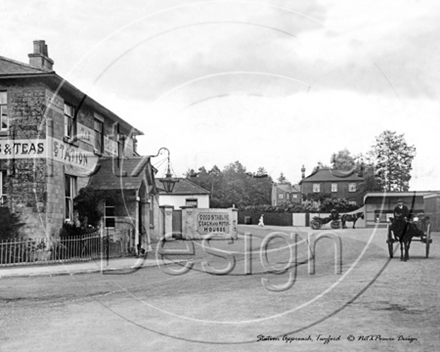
[[337, 183], [184, 194], [283, 193]]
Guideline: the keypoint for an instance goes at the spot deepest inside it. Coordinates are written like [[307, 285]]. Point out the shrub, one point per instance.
[[10, 224]]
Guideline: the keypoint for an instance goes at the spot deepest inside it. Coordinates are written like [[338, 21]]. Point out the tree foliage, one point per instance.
[[343, 160], [393, 161], [234, 185]]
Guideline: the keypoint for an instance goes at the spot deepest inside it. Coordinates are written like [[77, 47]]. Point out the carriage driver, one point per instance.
[[401, 214], [401, 211]]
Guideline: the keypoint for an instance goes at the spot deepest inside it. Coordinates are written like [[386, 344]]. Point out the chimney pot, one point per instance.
[[39, 58]]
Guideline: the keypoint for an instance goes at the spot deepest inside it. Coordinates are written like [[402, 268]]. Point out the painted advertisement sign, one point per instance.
[[22, 148], [208, 222], [110, 146], [79, 161], [85, 134]]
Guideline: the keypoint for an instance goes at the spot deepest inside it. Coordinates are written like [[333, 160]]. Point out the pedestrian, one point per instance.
[[261, 221]]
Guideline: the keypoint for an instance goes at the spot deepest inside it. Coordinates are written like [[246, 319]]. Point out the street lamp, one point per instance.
[[168, 182]]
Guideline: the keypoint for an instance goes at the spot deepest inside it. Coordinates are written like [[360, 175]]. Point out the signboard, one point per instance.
[[85, 134], [110, 146], [69, 154], [208, 222], [78, 159], [22, 148]]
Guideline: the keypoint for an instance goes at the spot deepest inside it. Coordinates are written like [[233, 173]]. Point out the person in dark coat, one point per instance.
[[401, 211], [401, 214]]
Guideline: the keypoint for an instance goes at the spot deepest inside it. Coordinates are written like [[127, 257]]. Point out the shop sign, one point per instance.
[[22, 148]]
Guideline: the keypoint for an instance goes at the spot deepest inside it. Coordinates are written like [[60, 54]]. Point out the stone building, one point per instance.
[[53, 138]]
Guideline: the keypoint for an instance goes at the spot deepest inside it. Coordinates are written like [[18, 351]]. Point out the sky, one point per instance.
[[269, 83]]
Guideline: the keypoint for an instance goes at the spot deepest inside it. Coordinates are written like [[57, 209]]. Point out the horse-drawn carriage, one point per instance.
[[404, 231], [335, 220]]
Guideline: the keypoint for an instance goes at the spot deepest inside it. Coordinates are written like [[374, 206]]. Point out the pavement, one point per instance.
[[94, 266]]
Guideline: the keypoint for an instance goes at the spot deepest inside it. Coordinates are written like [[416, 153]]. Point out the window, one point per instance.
[[4, 124], [334, 187], [281, 196], [316, 188], [191, 202], [2, 187], [70, 194], [109, 212], [99, 128], [69, 121], [352, 187]]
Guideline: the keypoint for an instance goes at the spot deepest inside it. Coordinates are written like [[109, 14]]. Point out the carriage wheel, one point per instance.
[[390, 242], [335, 224], [315, 224], [428, 239]]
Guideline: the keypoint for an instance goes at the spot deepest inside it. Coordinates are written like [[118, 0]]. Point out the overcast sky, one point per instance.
[[270, 83]]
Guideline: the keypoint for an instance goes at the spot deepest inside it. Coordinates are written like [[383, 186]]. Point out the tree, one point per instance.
[[367, 170], [282, 178], [234, 185], [343, 160], [393, 161]]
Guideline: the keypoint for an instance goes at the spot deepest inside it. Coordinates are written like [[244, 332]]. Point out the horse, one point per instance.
[[404, 230], [351, 218]]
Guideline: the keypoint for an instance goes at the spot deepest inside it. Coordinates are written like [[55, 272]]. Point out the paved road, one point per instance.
[[381, 304]]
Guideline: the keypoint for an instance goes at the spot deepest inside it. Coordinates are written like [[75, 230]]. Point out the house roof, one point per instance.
[[330, 175], [183, 187], [287, 187], [11, 69], [128, 176]]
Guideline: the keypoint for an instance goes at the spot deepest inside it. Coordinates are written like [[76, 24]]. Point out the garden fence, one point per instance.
[[64, 249]]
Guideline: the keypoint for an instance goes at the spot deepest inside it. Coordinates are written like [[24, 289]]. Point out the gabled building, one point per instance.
[[184, 194], [53, 138], [284, 193], [336, 183]]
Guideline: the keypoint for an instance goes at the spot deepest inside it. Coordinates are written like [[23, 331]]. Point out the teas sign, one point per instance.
[[22, 149], [212, 222]]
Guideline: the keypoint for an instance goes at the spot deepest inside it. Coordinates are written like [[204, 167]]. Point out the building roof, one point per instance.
[[397, 194], [183, 187], [331, 175], [11, 69], [287, 187], [128, 176]]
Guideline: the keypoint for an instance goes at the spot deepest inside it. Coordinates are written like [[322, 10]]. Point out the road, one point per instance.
[[363, 302]]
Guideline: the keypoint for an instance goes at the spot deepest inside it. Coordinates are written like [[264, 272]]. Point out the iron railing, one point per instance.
[[65, 249]]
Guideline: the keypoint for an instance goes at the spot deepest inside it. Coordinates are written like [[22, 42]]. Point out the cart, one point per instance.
[[334, 221], [423, 224]]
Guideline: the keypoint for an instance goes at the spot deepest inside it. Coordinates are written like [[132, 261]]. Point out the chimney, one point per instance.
[[40, 58], [303, 172]]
